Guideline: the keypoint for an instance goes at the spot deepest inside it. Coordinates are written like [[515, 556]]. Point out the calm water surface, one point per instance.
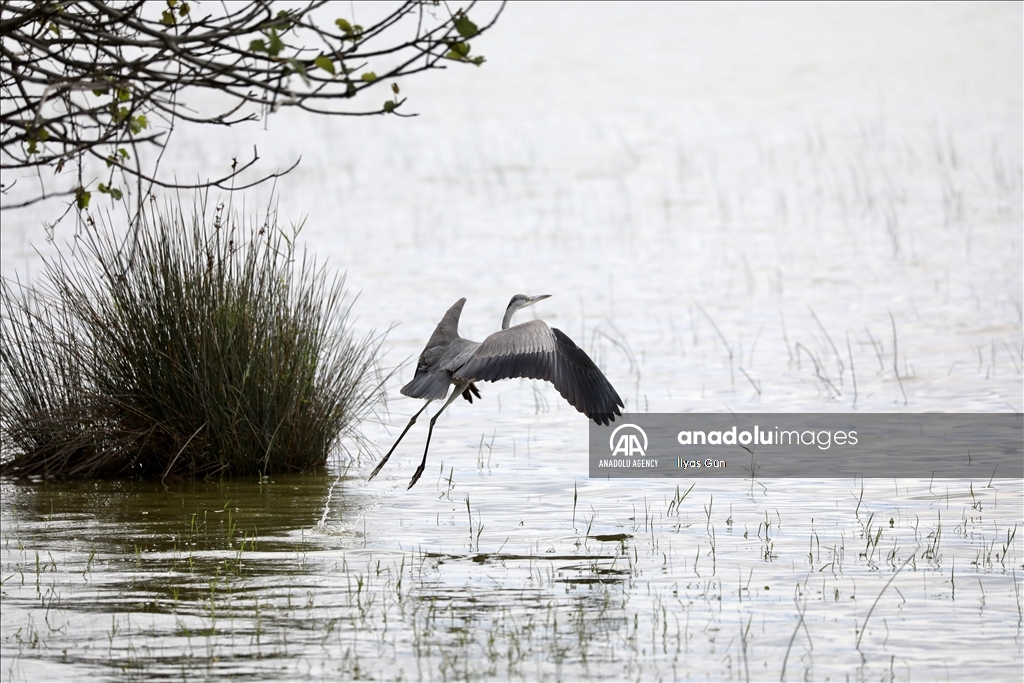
[[770, 209], [311, 576]]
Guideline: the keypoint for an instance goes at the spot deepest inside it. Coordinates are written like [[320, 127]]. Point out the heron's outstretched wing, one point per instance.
[[432, 378], [534, 350]]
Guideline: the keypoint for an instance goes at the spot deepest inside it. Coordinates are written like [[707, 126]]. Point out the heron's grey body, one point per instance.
[[531, 349]]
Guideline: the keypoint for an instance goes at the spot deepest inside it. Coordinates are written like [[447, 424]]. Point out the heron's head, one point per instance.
[[522, 301], [517, 302]]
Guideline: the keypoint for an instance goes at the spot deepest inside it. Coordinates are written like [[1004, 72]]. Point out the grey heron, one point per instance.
[[531, 349]]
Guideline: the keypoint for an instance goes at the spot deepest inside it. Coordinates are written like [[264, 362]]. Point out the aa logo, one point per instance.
[[628, 443]]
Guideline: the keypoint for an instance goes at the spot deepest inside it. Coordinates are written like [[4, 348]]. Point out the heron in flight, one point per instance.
[[531, 349]]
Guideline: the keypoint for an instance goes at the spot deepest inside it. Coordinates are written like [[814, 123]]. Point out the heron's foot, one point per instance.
[[416, 475], [378, 467], [470, 392]]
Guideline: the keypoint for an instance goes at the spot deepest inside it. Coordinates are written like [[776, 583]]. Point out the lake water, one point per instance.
[[768, 208]]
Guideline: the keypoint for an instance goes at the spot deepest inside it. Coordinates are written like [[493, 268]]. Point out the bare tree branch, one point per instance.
[[107, 80]]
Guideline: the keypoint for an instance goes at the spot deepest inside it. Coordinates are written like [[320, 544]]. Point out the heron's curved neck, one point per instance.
[[507, 320]]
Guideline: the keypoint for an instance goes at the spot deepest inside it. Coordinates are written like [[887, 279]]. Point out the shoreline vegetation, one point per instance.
[[201, 345]]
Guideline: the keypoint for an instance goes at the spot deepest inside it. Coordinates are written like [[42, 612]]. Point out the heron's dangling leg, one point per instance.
[[407, 427], [459, 388]]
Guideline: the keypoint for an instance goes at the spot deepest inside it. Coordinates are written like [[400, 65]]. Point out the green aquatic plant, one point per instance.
[[202, 344]]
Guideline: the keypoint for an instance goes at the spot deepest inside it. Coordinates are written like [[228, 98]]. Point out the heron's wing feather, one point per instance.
[[432, 379], [583, 384], [534, 350], [429, 384], [447, 330]]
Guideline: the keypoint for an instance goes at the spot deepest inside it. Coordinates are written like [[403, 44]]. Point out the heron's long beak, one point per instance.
[[535, 299]]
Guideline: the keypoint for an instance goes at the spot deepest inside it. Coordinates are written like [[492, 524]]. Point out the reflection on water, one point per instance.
[[168, 517], [140, 577]]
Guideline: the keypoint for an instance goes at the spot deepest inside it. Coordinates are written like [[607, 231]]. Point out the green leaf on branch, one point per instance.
[[123, 95], [324, 62], [112, 191], [284, 20], [137, 124], [184, 10], [167, 18], [350, 30], [389, 106], [258, 46], [82, 197], [369, 77], [458, 52], [275, 43], [34, 138], [477, 60], [300, 68], [465, 27]]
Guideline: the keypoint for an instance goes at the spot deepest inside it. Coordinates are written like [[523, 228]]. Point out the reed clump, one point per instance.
[[202, 345]]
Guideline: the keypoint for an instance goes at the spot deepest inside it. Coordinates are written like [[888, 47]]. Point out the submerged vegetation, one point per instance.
[[202, 345]]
